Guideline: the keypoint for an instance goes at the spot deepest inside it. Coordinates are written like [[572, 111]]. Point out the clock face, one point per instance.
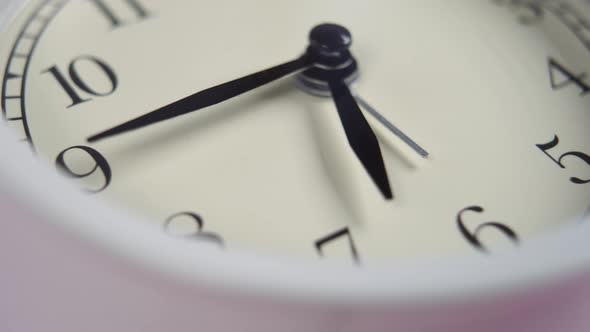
[[445, 128]]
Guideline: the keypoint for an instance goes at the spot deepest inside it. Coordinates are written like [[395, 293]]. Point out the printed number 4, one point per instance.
[[556, 69]]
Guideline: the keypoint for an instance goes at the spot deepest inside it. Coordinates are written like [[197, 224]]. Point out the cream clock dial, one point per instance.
[[359, 131]]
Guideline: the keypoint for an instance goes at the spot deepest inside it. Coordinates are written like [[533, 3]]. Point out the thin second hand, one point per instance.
[[396, 131]]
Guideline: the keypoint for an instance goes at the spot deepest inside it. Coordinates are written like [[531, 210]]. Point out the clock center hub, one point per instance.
[[329, 47]]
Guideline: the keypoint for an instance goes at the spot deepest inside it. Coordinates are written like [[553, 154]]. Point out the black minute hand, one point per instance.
[[209, 97], [360, 136]]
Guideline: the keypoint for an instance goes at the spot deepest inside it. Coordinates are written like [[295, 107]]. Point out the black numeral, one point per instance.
[[342, 233], [80, 83], [134, 7], [198, 233], [531, 12], [575, 154], [473, 236], [567, 77], [100, 164]]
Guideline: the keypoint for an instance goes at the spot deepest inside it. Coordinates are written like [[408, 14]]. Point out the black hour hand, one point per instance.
[[360, 136]]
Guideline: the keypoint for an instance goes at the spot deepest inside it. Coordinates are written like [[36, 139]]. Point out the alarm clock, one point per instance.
[[295, 166]]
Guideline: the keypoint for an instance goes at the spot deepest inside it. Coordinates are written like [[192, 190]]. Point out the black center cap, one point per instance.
[[330, 39], [329, 49]]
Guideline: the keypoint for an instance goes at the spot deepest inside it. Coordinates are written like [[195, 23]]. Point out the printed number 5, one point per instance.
[[584, 157]]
